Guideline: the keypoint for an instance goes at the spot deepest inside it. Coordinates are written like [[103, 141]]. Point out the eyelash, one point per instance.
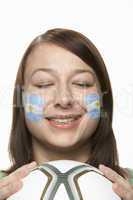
[[43, 86], [78, 84], [83, 84]]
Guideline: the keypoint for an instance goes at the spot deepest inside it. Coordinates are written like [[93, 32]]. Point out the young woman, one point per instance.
[[63, 109]]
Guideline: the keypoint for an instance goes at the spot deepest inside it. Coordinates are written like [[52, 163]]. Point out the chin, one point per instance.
[[63, 148], [65, 145], [62, 144]]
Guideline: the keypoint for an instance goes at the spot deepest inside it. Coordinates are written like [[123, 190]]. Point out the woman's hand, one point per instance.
[[12, 183], [120, 185]]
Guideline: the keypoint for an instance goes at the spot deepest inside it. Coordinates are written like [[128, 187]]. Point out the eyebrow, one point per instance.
[[77, 71]]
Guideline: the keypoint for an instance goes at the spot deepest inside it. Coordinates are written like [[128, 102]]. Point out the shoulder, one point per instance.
[[2, 174]]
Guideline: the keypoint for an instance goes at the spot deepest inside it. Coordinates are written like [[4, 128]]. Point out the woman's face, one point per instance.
[[61, 98]]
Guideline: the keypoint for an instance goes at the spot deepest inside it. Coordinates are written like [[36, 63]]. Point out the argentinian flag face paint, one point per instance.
[[92, 102], [34, 107]]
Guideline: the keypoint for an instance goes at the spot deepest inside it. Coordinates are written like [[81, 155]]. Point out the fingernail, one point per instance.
[[32, 165], [102, 166]]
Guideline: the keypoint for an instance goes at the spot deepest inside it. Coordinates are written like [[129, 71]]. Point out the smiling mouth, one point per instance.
[[68, 122]]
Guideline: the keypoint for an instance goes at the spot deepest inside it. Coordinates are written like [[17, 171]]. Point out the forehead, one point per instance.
[[54, 57]]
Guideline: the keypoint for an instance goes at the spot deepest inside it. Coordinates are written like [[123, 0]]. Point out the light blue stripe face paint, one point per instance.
[[92, 102], [34, 107]]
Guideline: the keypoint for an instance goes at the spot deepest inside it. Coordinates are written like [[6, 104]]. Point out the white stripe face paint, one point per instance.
[[34, 106], [92, 103]]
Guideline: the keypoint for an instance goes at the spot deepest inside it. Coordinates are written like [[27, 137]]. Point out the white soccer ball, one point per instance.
[[65, 180]]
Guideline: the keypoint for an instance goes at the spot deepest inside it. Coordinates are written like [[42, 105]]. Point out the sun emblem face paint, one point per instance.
[[92, 102], [34, 106]]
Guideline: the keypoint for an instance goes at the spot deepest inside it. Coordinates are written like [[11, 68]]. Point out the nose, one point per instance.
[[64, 97]]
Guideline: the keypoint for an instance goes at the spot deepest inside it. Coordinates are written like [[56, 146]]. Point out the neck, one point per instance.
[[43, 153]]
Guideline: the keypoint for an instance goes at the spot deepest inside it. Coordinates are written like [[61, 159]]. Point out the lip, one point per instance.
[[64, 116], [70, 125]]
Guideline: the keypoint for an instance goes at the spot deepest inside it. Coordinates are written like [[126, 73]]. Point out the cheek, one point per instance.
[[88, 126], [91, 127], [34, 106], [81, 95], [92, 104]]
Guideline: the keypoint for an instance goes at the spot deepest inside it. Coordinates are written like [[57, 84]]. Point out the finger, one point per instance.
[[24, 170], [115, 177], [110, 174], [122, 192], [10, 189], [18, 174]]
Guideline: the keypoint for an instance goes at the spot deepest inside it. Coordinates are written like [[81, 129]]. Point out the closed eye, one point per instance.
[[51, 84], [83, 84], [43, 85]]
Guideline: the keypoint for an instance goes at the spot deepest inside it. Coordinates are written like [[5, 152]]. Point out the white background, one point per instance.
[[107, 23]]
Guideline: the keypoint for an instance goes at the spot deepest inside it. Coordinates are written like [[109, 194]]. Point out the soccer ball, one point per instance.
[[65, 180]]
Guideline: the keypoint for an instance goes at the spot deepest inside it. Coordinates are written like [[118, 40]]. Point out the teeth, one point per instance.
[[63, 120]]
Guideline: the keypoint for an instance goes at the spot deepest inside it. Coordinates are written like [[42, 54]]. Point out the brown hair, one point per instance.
[[103, 143]]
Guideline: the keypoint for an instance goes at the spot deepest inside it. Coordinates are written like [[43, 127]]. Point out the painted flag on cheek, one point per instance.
[[92, 102], [34, 107]]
